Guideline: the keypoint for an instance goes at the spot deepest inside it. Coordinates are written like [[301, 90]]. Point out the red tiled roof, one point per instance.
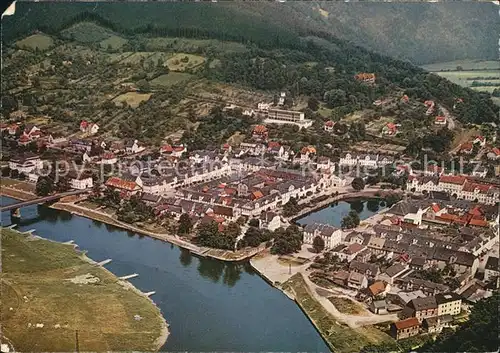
[[478, 222], [471, 187], [257, 194], [452, 179], [496, 151], [24, 138], [377, 288], [273, 144], [84, 124], [166, 148], [411, 322], [467, 146], [354, 248], [122, 184], [329, 123], [364, 76], [260, 129], [440, 118], [108, 155], [435, 207], [226, 146], [179, 148], [480, 138], [391, 126]]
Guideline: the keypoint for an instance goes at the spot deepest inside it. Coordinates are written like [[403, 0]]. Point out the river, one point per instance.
[[334, 213], [210, 305]]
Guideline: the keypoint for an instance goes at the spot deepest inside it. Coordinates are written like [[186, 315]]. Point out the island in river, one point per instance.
[[54, 298]]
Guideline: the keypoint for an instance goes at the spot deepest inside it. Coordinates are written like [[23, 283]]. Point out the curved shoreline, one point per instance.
[[164, 332], [99, 216]]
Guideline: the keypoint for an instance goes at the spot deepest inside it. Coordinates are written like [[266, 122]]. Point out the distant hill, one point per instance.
[[419, 32]]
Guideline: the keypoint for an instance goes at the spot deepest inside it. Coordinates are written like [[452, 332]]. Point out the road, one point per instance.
[[41, 200], [449, 118]]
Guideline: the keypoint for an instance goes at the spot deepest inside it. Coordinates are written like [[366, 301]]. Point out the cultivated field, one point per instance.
[[465, 64], [347, 306], [181, 61], [170, 79], [49, 292], [485, 74], [133, 99], [115, 42], [40, 41]]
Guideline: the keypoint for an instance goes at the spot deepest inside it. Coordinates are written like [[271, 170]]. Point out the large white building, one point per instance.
[[365, 160], [459, 187], [26, 163], [331, 236], [281, 116]]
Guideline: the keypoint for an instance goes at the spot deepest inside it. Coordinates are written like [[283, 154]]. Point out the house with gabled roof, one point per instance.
[[331, 236], [405, 328], [328, 126]]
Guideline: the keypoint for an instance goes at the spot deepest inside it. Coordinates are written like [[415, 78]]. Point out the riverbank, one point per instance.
[[368, 193], [341, 332], [73, 208], [52, 292]]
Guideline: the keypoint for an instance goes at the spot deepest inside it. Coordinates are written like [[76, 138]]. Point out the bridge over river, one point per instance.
[[41, 200]]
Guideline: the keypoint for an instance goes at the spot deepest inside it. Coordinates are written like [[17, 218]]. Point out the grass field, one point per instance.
[[347, 306], [465, 64], [133, 99], [47, 294], [170, 79], [176, 62], [86, 32], [189, 45], [115, 42], [340, 337], [470, 69], [136, 57], [40, 41]]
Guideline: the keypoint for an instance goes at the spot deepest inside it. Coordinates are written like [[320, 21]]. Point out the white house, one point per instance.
[[348, 252], [134, 147], [271, 221], [88, 127], [328, 127], [159, 185], [481, 140], [80, 181], [109, 158], [25, 163], [332, 236]]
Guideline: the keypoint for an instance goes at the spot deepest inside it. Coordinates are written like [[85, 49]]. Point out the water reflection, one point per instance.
[[357, 205], [185, 258]]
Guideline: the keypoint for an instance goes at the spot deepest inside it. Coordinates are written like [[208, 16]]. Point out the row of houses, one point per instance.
[[365, 160], [459, 186]]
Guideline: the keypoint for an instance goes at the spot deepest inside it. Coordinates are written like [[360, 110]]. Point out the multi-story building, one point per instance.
[[448, 303], [281, 116], [405, 328], [491, 269], [458, 187], [421, 308], [331, 236], [25, 163]]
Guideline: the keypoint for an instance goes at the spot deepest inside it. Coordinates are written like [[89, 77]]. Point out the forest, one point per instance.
[[419, 32]]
